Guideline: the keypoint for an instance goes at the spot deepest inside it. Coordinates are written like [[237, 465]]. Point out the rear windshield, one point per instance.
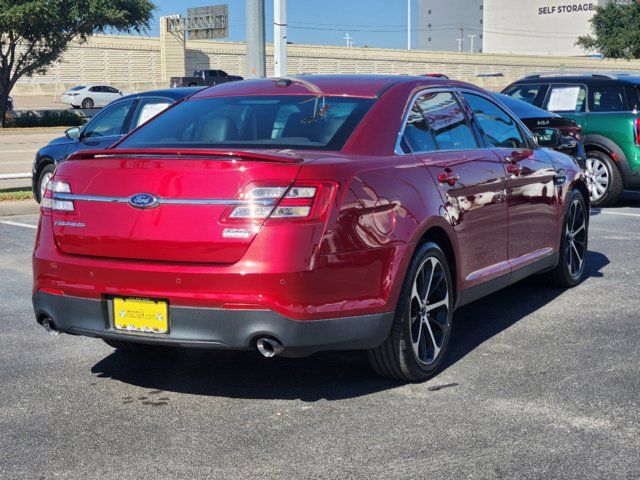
[[286, 121], [522, 109]]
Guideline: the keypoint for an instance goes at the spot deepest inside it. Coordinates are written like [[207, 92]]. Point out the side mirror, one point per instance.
[[548, 137], [73, 133]]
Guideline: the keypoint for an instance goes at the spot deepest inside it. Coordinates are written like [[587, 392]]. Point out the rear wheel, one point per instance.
[[573, 247], [422, 326], [87, 103], [45, 176], [605, 180]]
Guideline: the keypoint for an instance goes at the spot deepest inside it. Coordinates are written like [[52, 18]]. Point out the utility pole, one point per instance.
[[408, 24], [459, 44], [255, 39], [472, 37], [280, 38], [348, 38], [461, 39]]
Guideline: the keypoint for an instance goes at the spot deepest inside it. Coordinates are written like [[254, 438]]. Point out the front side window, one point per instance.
[[110, 121], [567, 98], [279, 121], [499, 128], [607, 99], [526, 93], [437, 122]]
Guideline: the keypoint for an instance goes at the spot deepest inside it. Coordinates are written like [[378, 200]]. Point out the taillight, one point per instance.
[[638, 131], [48, 201], [306, 201]]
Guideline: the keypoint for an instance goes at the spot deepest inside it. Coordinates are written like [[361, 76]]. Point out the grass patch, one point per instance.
[[21, 193]]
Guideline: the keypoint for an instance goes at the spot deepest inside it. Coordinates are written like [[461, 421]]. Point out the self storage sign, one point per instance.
[[566, 8]]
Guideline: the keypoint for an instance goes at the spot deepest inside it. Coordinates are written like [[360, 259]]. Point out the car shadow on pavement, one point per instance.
[[627, 199], [327, 375]]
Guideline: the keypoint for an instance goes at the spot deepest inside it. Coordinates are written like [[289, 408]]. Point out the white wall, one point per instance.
[[536, 27]]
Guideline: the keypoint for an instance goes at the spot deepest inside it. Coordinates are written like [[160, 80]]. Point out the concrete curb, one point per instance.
[[18, 207]]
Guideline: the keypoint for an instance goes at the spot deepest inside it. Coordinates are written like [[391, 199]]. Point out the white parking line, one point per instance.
[[618, 213], [18, 224]]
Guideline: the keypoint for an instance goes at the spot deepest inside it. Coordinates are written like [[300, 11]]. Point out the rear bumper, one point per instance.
[[218, 328]]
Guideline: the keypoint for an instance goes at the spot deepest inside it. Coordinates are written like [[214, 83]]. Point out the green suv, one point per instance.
[[606, 106]]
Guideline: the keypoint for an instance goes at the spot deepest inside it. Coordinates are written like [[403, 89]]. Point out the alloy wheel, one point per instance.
[[598, 177], [429, 311], [576, 238]]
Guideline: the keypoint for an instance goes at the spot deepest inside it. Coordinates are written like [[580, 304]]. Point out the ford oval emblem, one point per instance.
[[143, 200]]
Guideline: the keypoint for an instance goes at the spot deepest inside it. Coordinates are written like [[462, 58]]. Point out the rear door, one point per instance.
[[530, 183], [471, 180]]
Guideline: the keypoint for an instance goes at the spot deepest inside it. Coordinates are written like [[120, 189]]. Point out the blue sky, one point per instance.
[[374, 23]]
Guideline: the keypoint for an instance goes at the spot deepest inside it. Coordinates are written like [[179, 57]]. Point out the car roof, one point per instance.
[[174, 94], [595, 77], [522, 109], [362, 86]]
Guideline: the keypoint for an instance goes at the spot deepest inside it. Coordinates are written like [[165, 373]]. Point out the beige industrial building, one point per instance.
[[135, 63]]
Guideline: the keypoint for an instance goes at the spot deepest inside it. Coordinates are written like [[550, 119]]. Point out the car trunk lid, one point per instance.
[[163, 205]]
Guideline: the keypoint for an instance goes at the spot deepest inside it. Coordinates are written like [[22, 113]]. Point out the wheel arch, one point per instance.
[[607, 146], [41, 163], [441, 237]]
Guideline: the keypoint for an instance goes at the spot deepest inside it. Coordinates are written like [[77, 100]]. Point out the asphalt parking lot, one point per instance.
[[539, 383]]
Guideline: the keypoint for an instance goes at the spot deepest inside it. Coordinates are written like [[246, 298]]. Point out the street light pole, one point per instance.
[[255, 39], [280, 38], [409, 25]]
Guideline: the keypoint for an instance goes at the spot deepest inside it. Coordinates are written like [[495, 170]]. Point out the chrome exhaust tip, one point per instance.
[[268, 347], [48, 325]]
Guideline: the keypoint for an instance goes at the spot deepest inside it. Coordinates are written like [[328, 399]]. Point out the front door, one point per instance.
[[107, 127], [530, 183]]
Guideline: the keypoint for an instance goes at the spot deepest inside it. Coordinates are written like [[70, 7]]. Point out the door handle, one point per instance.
[[514, 169], [448, 177]]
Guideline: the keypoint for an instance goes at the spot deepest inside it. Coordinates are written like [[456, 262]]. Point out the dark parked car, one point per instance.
[[540, 122], [115, 120], [203, 78], [606, 106], [300, 215]]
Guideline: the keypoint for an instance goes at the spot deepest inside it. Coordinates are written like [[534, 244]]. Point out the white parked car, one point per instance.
[[90, 96]]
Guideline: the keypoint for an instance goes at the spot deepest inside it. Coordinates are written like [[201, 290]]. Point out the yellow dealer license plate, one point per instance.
[[140, 315]]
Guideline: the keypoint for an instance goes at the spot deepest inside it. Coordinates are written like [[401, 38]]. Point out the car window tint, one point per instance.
[[109, 122], [607, 99], [526, 93], [436, 122], [278, 121], [500, 129], [148, 109], [567, 98]]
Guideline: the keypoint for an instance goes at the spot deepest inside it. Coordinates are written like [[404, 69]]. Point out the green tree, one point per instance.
[[34, 33], [616, 31]]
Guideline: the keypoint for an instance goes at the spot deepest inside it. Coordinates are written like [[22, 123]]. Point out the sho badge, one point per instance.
[[143, 200]]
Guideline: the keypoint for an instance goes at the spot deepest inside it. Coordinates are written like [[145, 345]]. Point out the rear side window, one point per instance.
[[500, 129], [282, 121], [530, 93], [607, 99], [148, 108], [567, 98], [437, 122]]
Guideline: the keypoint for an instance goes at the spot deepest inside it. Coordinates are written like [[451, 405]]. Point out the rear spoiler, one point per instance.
[[255, 155]]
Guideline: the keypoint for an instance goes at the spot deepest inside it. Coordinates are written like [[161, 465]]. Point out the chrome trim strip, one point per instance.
[[165, 201]]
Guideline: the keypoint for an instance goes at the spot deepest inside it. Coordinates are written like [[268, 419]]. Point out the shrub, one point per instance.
[[46, 118]]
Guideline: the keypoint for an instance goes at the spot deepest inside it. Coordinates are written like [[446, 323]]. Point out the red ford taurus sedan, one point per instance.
[[306, 214]]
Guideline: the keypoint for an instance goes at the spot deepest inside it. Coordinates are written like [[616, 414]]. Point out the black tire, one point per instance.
[[564, 274], [615, 184], [45, 176], [131, 346], [87, 103], [396, 358]]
